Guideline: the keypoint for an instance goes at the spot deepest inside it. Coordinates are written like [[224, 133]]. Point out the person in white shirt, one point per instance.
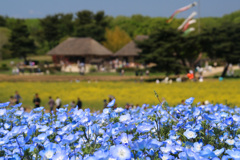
[[58, 102]]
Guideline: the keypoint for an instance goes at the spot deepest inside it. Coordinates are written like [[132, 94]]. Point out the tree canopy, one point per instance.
[[20, 43], [116, 39]]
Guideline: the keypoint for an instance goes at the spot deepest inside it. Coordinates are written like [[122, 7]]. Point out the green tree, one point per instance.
[[2, 21], [171, 51], [66, 27], [88, 24], [225, 44], [159, 49], [50, 31], [20, 44], [4, 36]]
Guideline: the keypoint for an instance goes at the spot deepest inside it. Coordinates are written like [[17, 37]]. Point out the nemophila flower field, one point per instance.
[[148, 132]]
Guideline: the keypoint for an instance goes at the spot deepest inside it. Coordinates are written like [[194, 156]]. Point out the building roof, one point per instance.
[[80, 47], [131, 49]]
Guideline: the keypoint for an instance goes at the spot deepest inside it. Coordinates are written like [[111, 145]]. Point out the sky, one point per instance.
[[153, 8]]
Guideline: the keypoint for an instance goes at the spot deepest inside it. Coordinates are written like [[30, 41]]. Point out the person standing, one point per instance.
[[36, 100], [51, 104], [58, 102], [17, 97], [79, 103], [105, 103], [73, 104], [12, 101]]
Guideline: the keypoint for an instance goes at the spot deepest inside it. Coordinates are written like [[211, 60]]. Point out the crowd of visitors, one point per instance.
[[51, 102], [15, 99]]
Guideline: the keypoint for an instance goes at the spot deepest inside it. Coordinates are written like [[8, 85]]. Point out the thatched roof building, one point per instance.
[[130, 50], [83, 49]]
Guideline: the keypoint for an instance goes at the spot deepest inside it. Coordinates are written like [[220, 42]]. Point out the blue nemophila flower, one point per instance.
[[197, 146], [125, 118], [40, 138], [208, 147], [237, 144], [2, 105], [207, 153], [166, 149], [142, 128], [155, 144], [230, 142], [191, 154], [218, 152], [38, 109], [197, 112], [30, 132], [60, 156], [101, 154], [166, 156], [4, 140], [3, 112], [47, 154], [63, 117], [15, 131], [234, 154], [19, 113], [229, 121], [141, 144], [190, 134], [90, 158], [183, 156], [7, 125], [236, 118], [125, 138], [69, 139], [189, 101], [107, 110], [111, 104], [43, 128], [119, 110], [120, 152]]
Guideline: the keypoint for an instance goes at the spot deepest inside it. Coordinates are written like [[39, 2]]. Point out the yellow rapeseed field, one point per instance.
[[92, 94]]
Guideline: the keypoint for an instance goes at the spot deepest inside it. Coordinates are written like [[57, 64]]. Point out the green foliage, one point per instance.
[[50, 31], [92, 69], [231, 18], [20, 43], [4, 36], [116, 39], [170, 50], [2, 21], [4, 67], [88, 24], [2, 153], [225, 43]]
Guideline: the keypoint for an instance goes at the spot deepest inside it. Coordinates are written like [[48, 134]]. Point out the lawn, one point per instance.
[[92, 94]]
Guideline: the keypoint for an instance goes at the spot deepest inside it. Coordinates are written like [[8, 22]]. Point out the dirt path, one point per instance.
[[216, 70], [67, 78]]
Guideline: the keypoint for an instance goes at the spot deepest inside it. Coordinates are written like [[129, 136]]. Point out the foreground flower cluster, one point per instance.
[[157, 132]]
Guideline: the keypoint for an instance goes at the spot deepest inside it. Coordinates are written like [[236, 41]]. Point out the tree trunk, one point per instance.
[[225, 70], [198, 59], [185, 64]]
